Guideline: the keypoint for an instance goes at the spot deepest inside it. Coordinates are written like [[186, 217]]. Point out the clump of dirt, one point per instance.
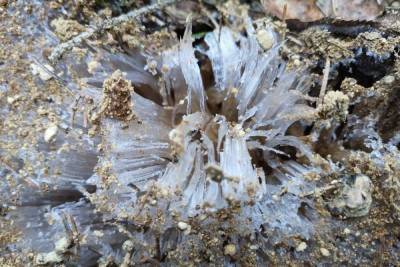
[[116, 101], [65, 29], [335, 106], [351, 88], [130, 34], [7, 237], [321, 42], [375, 42], [134, 36]]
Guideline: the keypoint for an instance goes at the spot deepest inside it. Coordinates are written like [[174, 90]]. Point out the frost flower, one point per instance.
[[186, 168]]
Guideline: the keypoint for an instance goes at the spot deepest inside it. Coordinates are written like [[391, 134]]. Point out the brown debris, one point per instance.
[[3, 3], [295, 9], [117, 102], [352, 10], [335, 106], [65, 29], [105, 25], [311, 10], [322, 43]]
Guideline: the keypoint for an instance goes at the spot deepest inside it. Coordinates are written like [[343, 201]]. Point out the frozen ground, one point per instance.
[[224, 138]]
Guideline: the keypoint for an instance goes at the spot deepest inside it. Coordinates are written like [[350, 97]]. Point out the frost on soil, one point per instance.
[[162, 167], [169, 167]]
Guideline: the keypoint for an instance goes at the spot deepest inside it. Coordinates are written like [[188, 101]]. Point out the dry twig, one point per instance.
[[105, 25], [324, 80]]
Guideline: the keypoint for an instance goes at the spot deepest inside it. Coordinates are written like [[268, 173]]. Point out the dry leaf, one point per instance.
[[304, 10], [311, 10], [356, 9]]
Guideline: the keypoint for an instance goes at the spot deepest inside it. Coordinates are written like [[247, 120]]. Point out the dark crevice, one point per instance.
[[366, 67]]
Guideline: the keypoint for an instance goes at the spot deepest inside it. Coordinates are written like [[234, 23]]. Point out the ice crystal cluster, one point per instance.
[[208, 171]]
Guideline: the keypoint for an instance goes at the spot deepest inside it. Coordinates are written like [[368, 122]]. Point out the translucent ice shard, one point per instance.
[[225, 57], [191, 70], [240, 179]]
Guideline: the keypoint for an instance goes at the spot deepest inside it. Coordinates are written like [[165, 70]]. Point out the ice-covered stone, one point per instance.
[[355, 198]]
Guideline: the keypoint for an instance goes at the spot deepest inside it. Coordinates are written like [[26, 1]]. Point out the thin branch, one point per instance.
[[105, 25]]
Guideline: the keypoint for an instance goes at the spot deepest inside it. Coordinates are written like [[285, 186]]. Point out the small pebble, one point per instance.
[[346, 231], [230, 250], [127, 246], [295, 56], [42, 111], [182, 226], [50, 133], [203, 217], [48, 258], [93, 66], [296, 62], [388, 79], [301, 247], [23, 132], [265, 38], [98, 233], [43, 74], [325, 252], [372, 36], [12, 99]]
